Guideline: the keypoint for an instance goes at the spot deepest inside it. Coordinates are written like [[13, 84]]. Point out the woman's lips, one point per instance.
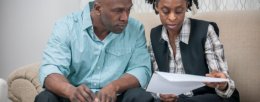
[[171, 26]]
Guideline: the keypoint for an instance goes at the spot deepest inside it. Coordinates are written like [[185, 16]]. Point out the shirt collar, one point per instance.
[[87, 21], [184, 33]]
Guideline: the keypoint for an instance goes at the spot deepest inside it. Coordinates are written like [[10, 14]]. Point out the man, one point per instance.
[[96, 55]]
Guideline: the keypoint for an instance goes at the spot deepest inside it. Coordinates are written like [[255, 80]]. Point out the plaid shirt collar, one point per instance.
[[184, 33]]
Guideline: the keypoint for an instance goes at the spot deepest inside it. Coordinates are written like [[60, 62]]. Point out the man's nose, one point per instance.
[[124, 16]]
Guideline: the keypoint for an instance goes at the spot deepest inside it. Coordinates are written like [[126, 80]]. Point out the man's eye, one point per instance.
[[117, 10], [129, 9]]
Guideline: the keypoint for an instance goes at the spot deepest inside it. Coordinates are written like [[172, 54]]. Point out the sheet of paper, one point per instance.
[[169, 83], [188, 78]]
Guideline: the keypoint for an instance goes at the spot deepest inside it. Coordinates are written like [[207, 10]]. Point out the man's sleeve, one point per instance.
[[57, 54], [140, 64]]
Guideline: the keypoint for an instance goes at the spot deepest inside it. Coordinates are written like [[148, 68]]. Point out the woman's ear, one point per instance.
[[188, 4], [156, 8]]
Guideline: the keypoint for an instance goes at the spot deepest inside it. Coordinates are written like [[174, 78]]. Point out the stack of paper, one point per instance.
[[170, 83]]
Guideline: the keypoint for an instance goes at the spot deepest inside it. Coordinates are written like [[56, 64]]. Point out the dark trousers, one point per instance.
[[131, 95], [209, 97]]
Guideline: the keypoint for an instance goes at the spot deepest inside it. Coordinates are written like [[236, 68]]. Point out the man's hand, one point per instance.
[[220, 85], [107, 94], [168, 97], [80, 94], [58, 84]]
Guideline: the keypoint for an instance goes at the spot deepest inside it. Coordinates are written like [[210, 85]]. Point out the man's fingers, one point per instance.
[[92, 95], [74, 99], [80, 97], [108, 98], [113, 99], [84, 94], [96, 100], [100, 97], [103, 98], [88, 93]]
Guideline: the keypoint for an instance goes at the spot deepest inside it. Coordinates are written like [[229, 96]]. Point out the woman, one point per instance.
[[185, 45]]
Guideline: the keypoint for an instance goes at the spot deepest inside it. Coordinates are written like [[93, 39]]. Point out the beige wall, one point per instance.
[[208, 5], [25, 26]]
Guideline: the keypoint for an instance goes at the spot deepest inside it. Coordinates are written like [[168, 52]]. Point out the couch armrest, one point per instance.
[[3, 90], [23, 83]]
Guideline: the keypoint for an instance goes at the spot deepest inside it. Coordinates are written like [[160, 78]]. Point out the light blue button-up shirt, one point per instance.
[[74, 51]]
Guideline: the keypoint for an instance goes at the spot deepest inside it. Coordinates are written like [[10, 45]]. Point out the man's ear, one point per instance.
[[97, 8]]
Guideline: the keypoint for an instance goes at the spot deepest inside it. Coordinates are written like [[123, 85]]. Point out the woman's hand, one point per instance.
[[219, 85], [168, 97]]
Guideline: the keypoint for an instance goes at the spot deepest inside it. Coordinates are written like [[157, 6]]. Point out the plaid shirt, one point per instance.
[[214, 52]]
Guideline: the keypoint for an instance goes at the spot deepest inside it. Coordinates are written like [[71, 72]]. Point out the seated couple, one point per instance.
[[100, 55]]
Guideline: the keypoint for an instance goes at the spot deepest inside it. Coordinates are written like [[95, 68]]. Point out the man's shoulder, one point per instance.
[[70, 18], [134, 22]]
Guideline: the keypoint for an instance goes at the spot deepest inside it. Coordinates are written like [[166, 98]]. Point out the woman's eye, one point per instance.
[[165, 11], [178, 11]]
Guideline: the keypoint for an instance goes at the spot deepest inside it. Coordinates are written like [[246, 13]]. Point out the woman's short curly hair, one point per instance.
[[190, 3]]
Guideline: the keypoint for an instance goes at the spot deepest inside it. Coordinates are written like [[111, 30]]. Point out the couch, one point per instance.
[[239, 32], [3, 90]]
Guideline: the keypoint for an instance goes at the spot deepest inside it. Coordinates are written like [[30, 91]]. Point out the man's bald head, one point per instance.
[[112, 14]]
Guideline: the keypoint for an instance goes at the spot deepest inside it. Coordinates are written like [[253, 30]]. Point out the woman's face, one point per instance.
[[172, 13]]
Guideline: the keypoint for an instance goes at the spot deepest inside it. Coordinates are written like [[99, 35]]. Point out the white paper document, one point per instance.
[[170, 83]]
